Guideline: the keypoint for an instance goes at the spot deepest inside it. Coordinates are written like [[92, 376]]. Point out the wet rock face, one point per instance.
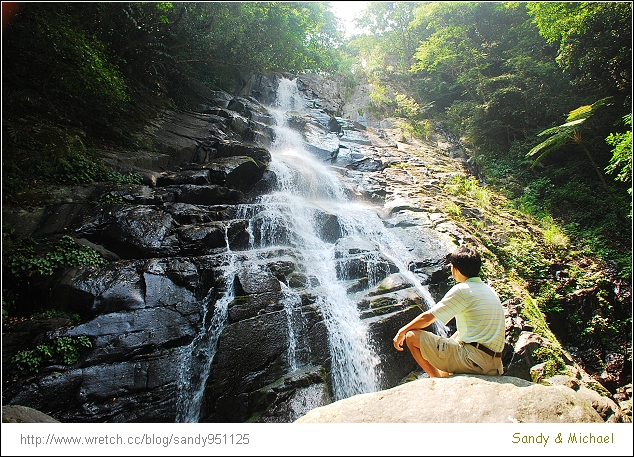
[[207, 309], [204, 286]]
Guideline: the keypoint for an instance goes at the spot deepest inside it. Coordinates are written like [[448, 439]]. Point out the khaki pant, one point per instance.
[[453, 356]]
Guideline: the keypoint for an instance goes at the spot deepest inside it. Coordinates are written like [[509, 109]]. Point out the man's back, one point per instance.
[[478, 312]]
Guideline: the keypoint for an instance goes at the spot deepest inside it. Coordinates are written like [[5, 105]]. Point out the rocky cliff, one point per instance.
[[206, 309]]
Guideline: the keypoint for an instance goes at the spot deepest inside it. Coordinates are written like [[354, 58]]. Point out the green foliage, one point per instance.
[[73, 318], [594, 38], [381, 101], [524, 258], [453, 209], [406, 106], [552, 357], [537, 197], [570, 132], [82, 170], [79, 170], [8, 302], [534, 316], [66, 348], [621, 161], [554, 236], [31, 359], [53, 154], [416, 129], [549, 300], [74, 73], [24, 261], [470, 186]]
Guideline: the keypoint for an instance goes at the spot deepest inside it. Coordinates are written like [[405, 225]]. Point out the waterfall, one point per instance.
[[292, 303], [307, 188], [196, 366], [292, 215]]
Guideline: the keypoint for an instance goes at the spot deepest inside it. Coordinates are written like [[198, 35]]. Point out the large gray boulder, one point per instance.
[[461, 398], [17, 414]]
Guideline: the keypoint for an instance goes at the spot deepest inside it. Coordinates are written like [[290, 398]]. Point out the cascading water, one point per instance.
[[307, 191], [200, 352]]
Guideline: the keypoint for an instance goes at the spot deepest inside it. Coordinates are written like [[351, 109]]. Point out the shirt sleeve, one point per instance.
[[450, 305]]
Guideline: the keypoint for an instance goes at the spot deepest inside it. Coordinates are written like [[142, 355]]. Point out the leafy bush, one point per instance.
[[548, 299], [554, 236], [416, 129], [82, 170], [534, 316], [470, 186], [65, 347], [24, 261], [453, 210], [621, 160], [523, 257]]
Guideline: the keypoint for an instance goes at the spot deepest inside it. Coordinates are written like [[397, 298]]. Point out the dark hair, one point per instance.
[[467, 261]]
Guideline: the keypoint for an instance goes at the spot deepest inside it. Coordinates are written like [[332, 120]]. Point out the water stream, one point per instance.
[[306, 191], [200, 352], [292, 215]]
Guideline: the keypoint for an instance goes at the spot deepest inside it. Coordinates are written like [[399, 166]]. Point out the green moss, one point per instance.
[[383, 302], [553, 360], [533, 315], [598, 388]]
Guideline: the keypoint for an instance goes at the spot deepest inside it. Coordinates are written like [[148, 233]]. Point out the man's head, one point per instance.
[[467, 261]]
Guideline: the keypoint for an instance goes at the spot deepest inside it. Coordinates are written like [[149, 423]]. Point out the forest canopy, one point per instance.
[[496, 74]]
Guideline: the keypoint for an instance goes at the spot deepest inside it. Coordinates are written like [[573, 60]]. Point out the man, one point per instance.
[[477, 345]]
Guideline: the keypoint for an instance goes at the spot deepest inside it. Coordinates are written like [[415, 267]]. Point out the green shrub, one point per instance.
[[65, 347], [549, 300], [80, 169], [24, 261], [524, 257], [534, 316]]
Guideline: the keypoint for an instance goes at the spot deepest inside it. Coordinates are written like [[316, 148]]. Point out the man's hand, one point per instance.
[[399, 339], [418, 323]]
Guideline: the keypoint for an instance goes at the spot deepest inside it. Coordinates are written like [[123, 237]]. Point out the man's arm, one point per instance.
[[420, 322]]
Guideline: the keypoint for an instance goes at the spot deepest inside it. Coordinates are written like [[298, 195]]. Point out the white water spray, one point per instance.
[[306, 190]]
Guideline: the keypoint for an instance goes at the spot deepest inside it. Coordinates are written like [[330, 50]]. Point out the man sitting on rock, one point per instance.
[[477, 345]]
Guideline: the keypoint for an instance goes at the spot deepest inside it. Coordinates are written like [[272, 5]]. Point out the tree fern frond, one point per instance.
[[568, 127], [580, 113], [583, 112], [12, 130], [540, 157], [569, 132], [554, 142], [13, 95]]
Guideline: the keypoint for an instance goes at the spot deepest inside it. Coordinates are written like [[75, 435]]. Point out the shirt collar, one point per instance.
[[474, 279]]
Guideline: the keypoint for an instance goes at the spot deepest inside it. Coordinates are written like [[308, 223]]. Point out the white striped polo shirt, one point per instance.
[[478, 312]]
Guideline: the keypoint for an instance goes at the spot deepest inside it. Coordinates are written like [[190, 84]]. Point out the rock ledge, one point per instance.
[[461, 398]]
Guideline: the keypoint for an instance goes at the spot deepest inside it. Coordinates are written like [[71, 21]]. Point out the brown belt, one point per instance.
[[485, 349]]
